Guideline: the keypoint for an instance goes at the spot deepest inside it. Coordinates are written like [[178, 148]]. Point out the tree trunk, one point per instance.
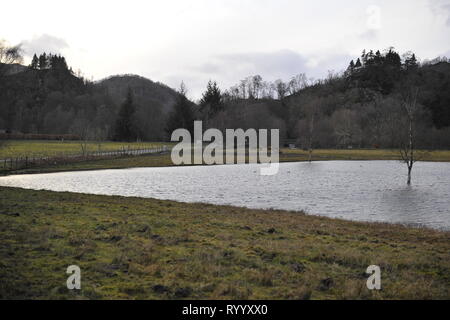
[[411, 149], [311, 132], [409, 175]]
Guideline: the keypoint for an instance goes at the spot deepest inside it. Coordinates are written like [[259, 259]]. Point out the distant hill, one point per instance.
[[362, 86], [153, 102], [10, 69], [436, 92], [51, 99], [146, 93]]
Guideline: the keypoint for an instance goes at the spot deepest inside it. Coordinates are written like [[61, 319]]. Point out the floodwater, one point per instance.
[[352, 190]]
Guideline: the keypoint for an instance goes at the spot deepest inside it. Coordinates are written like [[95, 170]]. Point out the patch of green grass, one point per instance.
[[286, 155], [49, 148], [153, 160], [131, 248], [360, 154]]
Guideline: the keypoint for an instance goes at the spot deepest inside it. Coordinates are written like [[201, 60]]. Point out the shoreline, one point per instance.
[[287, 156], [271, 209]]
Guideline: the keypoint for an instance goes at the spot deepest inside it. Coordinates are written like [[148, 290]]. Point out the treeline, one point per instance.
[[47, 97], [50, 61], [364, 106], [360, 107], [254, 87]]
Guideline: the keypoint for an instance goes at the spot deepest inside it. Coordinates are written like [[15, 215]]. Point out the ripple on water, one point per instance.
[[354, 190]]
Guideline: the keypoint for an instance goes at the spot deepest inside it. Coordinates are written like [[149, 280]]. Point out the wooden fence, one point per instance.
[[34, 136], [16, 163]]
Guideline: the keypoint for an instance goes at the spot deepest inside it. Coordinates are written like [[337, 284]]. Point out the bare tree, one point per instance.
[[297, 83], [281, 88], [407, 151], [267, 90], [257, 83], [312, 113], [346, 128], [311, 135], [8, 55], [81, 127]]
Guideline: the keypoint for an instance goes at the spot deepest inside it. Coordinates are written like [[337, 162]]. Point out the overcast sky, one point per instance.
[[223, 40]]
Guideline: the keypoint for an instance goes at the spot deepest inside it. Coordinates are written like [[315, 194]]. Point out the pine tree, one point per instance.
[[57, 62], [393, 59], [43, 61], [351, 68], [182, 115], [370, 58], [378, 58], [34, 62], [358, 64], [211, 102], [411, 62], [125, 129], [363, 57]]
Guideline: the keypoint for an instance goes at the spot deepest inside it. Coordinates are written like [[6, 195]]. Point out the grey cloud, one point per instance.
[[229, 69], [370, 35], [272, 65], [441, 7], [208, 68], [446, 54], [194, 84], [280, 64], [44, 43]]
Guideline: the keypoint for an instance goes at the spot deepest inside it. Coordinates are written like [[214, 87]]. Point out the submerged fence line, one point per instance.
[[23, 162]]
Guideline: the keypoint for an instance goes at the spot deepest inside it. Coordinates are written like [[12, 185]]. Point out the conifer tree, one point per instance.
[[351, 68], [211, 101], [182, 115], [43, 61], [34, 62], [411, 62], [125, 128]]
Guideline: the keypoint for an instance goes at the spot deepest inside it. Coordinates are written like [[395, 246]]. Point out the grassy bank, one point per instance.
[[361, 154], [49, 148], [45, 148], [286, 155], [143, 248]]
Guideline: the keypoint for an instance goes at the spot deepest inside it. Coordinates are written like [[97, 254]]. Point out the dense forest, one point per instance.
[[360, 107], [365, 106]]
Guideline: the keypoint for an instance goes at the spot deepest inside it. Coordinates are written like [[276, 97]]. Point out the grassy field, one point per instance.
[[286, 155], [360, 154], [48, 148], [131, 248], [41, 148]]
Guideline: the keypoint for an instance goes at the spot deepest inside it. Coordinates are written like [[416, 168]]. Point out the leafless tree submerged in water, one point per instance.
[[411, 111]]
